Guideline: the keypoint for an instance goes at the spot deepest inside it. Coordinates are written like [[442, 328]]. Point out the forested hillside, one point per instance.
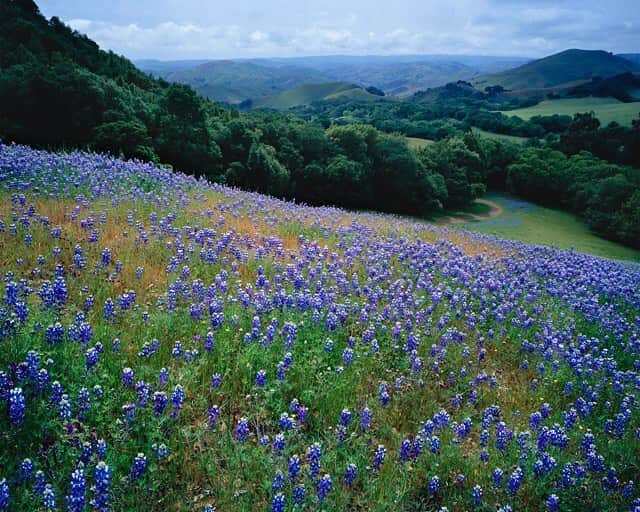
[[61, 90]]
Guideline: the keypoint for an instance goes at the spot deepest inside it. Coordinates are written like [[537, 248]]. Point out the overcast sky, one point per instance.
[[192, 29]]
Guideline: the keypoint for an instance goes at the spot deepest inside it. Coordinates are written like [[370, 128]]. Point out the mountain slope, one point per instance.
[[235, 81], [560, 68]]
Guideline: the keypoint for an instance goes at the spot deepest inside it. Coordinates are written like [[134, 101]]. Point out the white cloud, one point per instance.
[[283, 28]]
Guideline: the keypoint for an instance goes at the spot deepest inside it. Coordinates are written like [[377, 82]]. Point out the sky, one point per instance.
[[214, 29]]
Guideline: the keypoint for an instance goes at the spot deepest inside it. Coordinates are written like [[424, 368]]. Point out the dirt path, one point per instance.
[[460, 217]]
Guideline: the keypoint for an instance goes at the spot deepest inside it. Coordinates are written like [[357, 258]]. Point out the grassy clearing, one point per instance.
[[525, 221], [417, 143], [606, 109], [499, 136]]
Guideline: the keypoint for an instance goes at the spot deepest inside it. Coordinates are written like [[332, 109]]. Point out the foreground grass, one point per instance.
[[530, 223], [606, 109]]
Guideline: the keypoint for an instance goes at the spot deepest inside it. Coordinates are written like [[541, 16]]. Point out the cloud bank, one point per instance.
[[167, 29]]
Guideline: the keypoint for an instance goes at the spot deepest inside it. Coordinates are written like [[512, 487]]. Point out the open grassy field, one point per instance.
[[525, 221], [606, 109], [171, 344], [416, 142], [499, 136]]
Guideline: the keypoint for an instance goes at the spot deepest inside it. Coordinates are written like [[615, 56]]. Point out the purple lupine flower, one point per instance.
[[498, 476], [553, 503], [515, 480], [4, 494], [76, 497], [216, 380], [314, 453], [261, 378], [434, 444], [214, 412], [365, 419], [278, 503], [345, 417], [278, 443], [477, 496], [434, 485], [324, 487], [177, 399], [278, 482], [299, 493], [350, 474], [209, 341], [26, 470], [91, 358], [383, 394], [301, 413], [48, 498], [286, 421], [139, 467], [109, 309], [102, 477], [39, 482], [294, 467], [347, 356], [101, 449], [159, 402], [163, 377], [60, 291], [17, 406], [84, 403], [406, 450], [379, 455], [242, 429], [162, 451]]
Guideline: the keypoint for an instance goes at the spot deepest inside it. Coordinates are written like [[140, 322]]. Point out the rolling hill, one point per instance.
[[236, 81], [308, 93], [569, 66], [233, 81]]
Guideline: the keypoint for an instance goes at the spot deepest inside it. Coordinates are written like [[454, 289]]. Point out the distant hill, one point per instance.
[[308, 93], [569, 66], [405, 74], [233, 81], [161, 68], [633, 57], [236, 81]]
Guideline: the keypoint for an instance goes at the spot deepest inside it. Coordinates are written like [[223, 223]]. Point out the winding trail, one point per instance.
[[460, 217]]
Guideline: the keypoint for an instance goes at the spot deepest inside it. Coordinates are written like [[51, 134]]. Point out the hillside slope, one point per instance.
[[236, 81], [560, 68], [308, 93]]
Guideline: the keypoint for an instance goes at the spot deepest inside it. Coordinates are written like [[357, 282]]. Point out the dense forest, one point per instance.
[[58, 89]]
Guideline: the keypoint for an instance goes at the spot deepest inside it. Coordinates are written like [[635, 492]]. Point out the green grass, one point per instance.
[[417, 143], [522, 220], [606, 109], [499, 136]]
